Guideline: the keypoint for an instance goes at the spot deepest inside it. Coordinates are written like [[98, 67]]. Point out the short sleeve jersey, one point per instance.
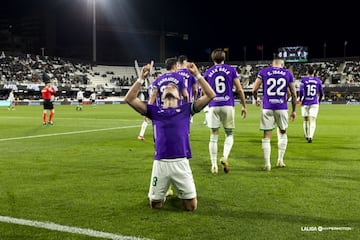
[[161, 82], [189, 81], [309, 89], [275, 82], [221, 78], [80, 95], [47, 92], [171, 130]]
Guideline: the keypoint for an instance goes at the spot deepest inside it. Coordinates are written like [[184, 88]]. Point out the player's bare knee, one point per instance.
[[190, 205], [156, 204]]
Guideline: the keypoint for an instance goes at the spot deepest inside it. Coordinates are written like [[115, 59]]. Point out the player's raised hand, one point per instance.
[[192, 68], [145, 71]]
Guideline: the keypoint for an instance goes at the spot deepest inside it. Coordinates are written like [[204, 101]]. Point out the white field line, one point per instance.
[[84, 119], [65, 133], [68, 229]]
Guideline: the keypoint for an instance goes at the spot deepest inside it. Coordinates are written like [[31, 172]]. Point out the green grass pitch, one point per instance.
[[89, 171]]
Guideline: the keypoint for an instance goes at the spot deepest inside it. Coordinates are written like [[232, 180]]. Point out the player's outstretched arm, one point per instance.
[[208, 92], [131, 97]]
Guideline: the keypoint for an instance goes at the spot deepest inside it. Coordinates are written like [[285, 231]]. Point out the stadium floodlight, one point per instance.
[[345, 44], [94, 29]]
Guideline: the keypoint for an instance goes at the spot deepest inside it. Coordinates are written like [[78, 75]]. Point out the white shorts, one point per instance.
[[271, 118], [224, 115], [206, 109], [310, 110], [171, 171]]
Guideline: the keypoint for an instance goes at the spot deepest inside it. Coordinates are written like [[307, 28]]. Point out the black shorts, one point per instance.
[[48, 105]]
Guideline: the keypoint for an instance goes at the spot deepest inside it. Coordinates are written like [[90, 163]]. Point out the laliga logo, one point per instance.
[[311, 229], [320, 229]]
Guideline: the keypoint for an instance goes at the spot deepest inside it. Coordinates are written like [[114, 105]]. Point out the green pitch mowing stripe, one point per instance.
[[66, 133], [100, 180]]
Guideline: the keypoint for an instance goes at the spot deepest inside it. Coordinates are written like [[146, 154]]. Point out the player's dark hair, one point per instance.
[[182, 58], [157, 73], [310, 70], [218, 55], [170, 62]]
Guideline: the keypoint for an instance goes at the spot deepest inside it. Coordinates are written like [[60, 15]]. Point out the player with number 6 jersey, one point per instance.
[[222, 78]]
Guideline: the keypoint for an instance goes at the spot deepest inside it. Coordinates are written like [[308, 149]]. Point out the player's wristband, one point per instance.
[[198, 76], [141, 81]]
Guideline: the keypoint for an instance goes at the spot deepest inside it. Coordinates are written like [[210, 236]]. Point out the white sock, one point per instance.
[[282, 144], [143, 128], [266, 147], [213, 148], [306, 129], [278, 133], [228, 143], [312, 128]]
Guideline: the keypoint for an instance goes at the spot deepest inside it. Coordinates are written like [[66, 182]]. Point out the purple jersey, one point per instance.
[[309, 89], [150, 90], [189, 81], [171, 130], [275, 82], [161, 82], [221, 79]]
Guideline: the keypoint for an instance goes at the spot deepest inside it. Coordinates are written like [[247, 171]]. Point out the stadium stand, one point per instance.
[[26, 73]]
